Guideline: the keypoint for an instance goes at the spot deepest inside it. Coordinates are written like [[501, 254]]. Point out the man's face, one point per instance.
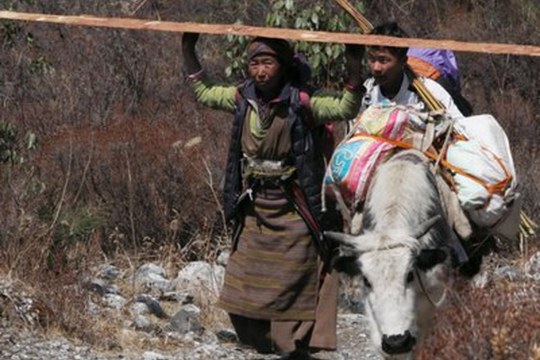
[[385, 67], [266, 71]]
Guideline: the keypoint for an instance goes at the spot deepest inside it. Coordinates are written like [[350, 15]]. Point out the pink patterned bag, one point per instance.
[[356, 158]]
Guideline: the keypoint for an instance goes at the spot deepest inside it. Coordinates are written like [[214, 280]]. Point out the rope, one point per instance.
[[444, 146], [434, 303], [427, 97], [491, 188], [527, 227]]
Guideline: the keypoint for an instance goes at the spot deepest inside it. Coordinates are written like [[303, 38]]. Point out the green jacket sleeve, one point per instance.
[[326, 108], [215, 96]]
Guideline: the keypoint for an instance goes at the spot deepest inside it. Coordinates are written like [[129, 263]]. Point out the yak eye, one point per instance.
[[410, 277], [366, 282]]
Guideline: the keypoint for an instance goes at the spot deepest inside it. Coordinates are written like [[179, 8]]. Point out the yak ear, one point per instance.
[[428, 258], [347, 259], [349, 265]]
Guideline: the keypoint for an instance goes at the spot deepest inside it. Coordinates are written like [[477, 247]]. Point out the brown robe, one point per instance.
[[276, 291]]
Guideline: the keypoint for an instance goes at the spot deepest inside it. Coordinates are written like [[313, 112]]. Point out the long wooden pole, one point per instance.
[[289, 34]]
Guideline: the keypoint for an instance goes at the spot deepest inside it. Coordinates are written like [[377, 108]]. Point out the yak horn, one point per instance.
[[351, 244], [424, 227], [341, 237]]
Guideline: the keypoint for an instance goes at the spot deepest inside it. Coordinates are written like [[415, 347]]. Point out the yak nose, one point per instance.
[[398, 344]]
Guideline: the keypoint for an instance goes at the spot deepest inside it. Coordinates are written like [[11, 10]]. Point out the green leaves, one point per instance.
[[236, 55], [41, 66], [11, 143], [31, 141], [326, 60], [8, 137], [289, 4]]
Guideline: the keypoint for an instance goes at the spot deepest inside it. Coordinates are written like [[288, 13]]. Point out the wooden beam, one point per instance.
[[289, 34]]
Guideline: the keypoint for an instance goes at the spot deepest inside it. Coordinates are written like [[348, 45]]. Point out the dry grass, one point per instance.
[[497, 322], [114, 179]]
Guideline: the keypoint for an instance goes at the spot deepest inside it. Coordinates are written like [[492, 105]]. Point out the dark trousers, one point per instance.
[[267, 336]]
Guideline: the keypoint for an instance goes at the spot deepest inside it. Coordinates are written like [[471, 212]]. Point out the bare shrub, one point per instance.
[[129, 168], [498, 322]]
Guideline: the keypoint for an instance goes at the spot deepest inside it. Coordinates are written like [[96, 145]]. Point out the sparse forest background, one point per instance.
[[104, 155]]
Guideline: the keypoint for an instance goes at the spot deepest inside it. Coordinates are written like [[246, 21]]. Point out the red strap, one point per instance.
[[303, 206], [237, 96], [306, 104], [328, 144]]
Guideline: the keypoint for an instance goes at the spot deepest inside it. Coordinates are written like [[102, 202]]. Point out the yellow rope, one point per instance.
[[432, 102]]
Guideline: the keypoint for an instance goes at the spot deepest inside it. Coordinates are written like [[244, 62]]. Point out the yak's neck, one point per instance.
[[403, 194]]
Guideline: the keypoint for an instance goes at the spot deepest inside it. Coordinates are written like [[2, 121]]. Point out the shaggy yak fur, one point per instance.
[[403, 253]]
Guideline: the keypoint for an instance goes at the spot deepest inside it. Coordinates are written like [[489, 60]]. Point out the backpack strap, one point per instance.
[[238, 95], [422, 91], [328, 142], [305, 102]]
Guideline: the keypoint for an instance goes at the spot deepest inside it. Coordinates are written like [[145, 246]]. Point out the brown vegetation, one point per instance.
[[496, 322], [115, 176]]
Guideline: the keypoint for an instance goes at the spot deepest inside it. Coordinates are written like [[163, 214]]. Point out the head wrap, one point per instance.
[[278, 48]]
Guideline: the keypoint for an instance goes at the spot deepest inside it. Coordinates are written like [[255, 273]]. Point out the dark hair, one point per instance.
[[391, 29]]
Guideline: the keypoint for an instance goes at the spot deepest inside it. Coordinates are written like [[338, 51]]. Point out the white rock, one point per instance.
[[200, 276], [152, 355], [114, 301]]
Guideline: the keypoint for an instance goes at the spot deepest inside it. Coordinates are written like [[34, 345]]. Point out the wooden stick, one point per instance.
[[290, 34], [362, 22]]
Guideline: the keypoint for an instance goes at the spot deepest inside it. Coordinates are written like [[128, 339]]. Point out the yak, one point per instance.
[[404, 252]]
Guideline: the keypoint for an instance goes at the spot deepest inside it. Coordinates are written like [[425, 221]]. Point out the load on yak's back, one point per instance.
[[403, 254], [471, 154], [412, 190]]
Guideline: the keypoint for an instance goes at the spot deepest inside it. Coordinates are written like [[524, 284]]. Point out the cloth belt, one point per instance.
[[261, 168]]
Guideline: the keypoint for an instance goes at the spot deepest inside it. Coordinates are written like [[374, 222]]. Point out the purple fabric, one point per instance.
[[443, 60]]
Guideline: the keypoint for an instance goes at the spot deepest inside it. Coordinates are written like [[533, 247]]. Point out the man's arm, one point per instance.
[[217, 97], [191, 63], [331, 108]]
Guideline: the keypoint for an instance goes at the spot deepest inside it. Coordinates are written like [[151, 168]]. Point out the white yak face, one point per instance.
[[390, 289], [397, 306]]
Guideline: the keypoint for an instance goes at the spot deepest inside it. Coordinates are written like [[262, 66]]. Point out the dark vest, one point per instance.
[[306, 152]]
